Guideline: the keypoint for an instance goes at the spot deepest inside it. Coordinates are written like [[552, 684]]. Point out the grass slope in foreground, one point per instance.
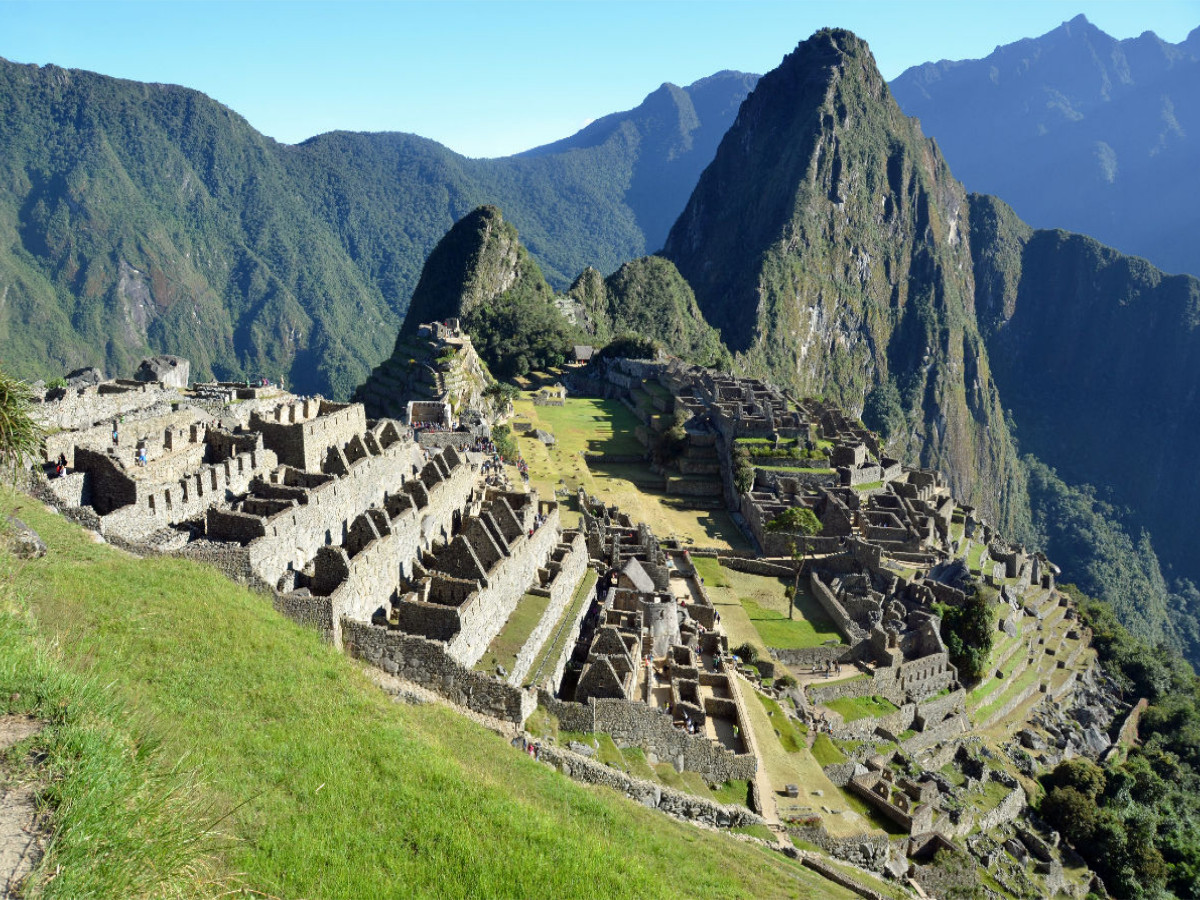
[[333, 790]]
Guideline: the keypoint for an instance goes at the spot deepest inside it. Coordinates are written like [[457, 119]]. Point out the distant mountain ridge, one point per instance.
[[138, 218], [1077, 130]]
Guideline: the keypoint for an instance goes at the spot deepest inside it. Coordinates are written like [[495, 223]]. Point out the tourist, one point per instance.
[[116, 436]]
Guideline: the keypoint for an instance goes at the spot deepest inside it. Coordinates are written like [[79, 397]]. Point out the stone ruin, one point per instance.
[[436, 365], [650, 666], [394, 550]]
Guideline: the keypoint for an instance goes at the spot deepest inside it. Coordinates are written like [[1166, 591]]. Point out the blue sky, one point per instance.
[[492, 78]]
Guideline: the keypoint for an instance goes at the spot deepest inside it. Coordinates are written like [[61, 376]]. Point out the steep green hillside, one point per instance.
[[316, 782], [137, 217], [140, 218], [828, 242], [649, 297]]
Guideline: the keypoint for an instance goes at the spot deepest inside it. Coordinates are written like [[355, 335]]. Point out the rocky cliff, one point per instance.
[[829, 243]]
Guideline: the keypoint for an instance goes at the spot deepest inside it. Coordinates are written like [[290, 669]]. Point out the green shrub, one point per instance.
[[747, 653]]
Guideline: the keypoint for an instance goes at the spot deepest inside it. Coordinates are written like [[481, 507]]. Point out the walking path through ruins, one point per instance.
[[20, 838]]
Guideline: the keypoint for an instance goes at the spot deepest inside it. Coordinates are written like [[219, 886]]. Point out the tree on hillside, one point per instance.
[[20, 436], [968, 630], [802, 522]]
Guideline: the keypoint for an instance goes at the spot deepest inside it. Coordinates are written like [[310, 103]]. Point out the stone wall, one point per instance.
[[571, 716], [460, 440], [290, 539], [68, 409], [675, 803], [133, 508], [813, 656], [482, 616], [303, 432], [892, 724], [636, 724], [935, 709], [568, 641], [870, 851], [850, 630], [565, 576], [427, 663]]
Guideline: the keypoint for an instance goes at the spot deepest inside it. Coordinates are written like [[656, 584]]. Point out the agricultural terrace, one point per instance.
[[593, 441]]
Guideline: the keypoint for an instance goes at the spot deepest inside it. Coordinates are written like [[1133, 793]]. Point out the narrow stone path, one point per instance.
[[21, 840]]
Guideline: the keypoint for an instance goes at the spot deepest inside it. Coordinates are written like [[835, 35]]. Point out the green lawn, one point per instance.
[[825, 752], [791, 734], [511, 638], [709, 568], [322, 786], [852, 709], [777, 630], [596, 426], [974, 555]]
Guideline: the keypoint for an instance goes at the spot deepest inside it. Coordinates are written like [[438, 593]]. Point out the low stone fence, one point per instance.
[[691, 487], [935, 709], [813, 656], [851, 632], [838, 877], [891, 724], [571, 716], [675, 803], [427, 663], [639, 725], [758, 566], [841, 773], [849, 688], [943, 731], [870, 851]]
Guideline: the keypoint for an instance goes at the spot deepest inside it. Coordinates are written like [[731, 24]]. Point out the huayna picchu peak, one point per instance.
[[828, 242]]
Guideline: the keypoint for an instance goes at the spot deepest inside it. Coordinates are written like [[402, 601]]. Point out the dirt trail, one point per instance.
[[21, 840]]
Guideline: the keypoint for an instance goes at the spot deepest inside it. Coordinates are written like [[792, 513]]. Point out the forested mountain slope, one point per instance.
[[828, 242], [138, 218]]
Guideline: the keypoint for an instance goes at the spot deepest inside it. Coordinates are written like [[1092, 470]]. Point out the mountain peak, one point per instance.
[[826, 242], [479, 258]]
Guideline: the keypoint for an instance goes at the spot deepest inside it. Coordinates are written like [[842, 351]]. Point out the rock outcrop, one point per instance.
[[170, 371]]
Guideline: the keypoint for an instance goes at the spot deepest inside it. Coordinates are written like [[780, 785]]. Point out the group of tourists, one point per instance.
[[533, 748]]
